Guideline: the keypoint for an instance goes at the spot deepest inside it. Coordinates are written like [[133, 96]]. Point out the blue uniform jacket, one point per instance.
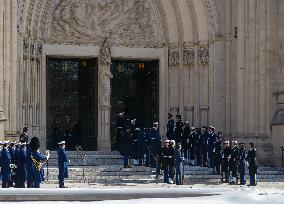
[[21, 164], [37, 166], [5, 165], [29, 164], [62, 163]]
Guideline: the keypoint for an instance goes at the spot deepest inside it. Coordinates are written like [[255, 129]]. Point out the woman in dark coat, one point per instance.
[[251, 158]]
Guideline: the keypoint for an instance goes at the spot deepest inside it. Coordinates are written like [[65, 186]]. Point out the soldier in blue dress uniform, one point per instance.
[[252, 166], [170, 127], [21, 173], [242, 163], [185, 141], [29, 166], [62, 164], [165, 154], [5, 165], [12, 151], [37, 162]]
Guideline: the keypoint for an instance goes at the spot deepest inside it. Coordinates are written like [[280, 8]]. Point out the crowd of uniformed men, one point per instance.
[[22, 163], [184, 145]]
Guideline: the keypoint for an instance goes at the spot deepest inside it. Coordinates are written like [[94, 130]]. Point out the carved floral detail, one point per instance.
[[173, 57], [203, 54], [188, 56]]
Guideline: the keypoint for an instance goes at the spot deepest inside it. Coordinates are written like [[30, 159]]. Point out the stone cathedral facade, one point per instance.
[[219, 62]]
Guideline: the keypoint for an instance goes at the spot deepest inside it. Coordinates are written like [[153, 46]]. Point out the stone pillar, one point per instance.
[[2, 120], [104, 90], [277, 127]]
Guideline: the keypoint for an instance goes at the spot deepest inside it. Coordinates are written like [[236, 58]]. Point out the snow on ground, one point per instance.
[[264, 193]]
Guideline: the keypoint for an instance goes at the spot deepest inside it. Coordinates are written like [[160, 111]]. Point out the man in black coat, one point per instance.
[[171, 161], [185, 141], [252, 166], [204, 146], [24, 138], [170, 127], [225, 161], [242, 163], [218, 153], [233, 162], [178, 129]]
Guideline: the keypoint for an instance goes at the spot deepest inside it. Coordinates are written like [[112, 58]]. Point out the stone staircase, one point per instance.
[[107, 168]]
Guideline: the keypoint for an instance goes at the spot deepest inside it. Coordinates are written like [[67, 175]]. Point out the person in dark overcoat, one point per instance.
[[225, 162], [242, 163], [170, 127], [218, 153], [204, 146], [24, 138], [37, 162], [233, 162], [62, 164], [178, 129], [5, 165], [185, 140], [212, 137], [252, 165], [178, 164]]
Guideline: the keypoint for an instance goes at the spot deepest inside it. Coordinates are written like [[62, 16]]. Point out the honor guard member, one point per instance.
[[225, 161], [155, 147], [204, 146], [62, 164], [5, 165], [178, 129], [29, 166], [242, 163], [11, 150], [21, 173], [37, 162], [171, 161], [233, 162], [24, 138], [252, 166], [126, 142], [185, 141], [212, 137], [170, 127], [178, 164], [165, 154], [218, 153]]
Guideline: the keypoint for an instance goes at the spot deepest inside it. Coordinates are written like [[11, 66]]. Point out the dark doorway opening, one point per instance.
[[135, 92], [72, 103]]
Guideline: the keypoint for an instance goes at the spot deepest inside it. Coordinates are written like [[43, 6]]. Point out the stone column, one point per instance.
[[104, 89], [2, 120]]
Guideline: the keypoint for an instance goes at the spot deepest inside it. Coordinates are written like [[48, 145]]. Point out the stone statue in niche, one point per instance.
[[104, 73]]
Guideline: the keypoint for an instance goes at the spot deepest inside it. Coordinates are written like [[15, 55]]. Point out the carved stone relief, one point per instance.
[[173, 56], [128, 22], [105, 74], [188, 56], [203, 54]]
